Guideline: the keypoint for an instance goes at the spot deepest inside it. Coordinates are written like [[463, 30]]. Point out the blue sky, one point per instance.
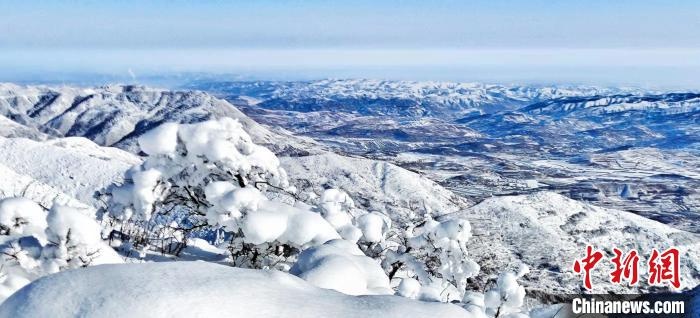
[[353, 38]]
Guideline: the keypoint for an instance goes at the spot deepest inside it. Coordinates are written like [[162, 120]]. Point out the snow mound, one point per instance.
[[341, 265], [517, 229], [198, 289]]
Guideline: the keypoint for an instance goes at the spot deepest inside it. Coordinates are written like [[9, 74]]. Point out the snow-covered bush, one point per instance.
[[353, 224], [22, 217], [35, 243], [210, 179], [505, 299], [432, 253], [341, 265]]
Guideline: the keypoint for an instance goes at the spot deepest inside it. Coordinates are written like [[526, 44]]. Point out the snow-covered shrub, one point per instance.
[[35, 243], [210, 178], [341, 265], [336, 208], [435, 254], [22, 217], [431, 253], [506, 298], [74, 240], [409, 288], [353, 224]]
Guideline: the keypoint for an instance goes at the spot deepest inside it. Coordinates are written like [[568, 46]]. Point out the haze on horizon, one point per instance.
[[646, 43]]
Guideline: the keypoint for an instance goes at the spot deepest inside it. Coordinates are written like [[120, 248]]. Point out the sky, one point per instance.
[[642, 42]]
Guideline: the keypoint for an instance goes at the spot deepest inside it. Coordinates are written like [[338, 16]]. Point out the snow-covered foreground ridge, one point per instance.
[[199, 289]]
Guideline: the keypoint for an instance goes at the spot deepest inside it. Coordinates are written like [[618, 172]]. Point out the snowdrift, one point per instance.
[[199, 289]]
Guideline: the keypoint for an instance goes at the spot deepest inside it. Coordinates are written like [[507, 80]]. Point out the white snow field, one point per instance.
[[200, 289], [74, 166]]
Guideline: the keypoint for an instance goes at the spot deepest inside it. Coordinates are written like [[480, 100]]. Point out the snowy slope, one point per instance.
[[548, 232], [600, 105], [375, 185], [13, 184], [9, 128], [198, 289], [74, 166]]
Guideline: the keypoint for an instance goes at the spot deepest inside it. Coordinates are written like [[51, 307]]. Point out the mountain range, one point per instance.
[[64, 143]]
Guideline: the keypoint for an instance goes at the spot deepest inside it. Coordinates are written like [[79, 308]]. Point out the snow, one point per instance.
[[161, 140], [18, 185], [304, 228], [373, 185], [143, 196], [354, 199], [409, 288], [373, 226], [23, 217], [341, 265], [11, 129], [117, 115], [507, 297], [199, 289], [442, 247], [429, 98], [34, 243], [75, 166], [66, 222], [546, 221]]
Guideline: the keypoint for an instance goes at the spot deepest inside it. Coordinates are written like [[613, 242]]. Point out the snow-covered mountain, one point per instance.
[[374, 185], [508, 230], [482, 140], [599, 105], [395, 98], [117, 115]]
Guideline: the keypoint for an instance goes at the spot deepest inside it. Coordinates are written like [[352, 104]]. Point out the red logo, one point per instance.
[[665, 267], [589, 262], [662, 267], [626, 268]]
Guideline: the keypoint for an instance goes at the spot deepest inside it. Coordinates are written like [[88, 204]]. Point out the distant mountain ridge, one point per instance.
[[481, 140], [397, 98], [116, 115]]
